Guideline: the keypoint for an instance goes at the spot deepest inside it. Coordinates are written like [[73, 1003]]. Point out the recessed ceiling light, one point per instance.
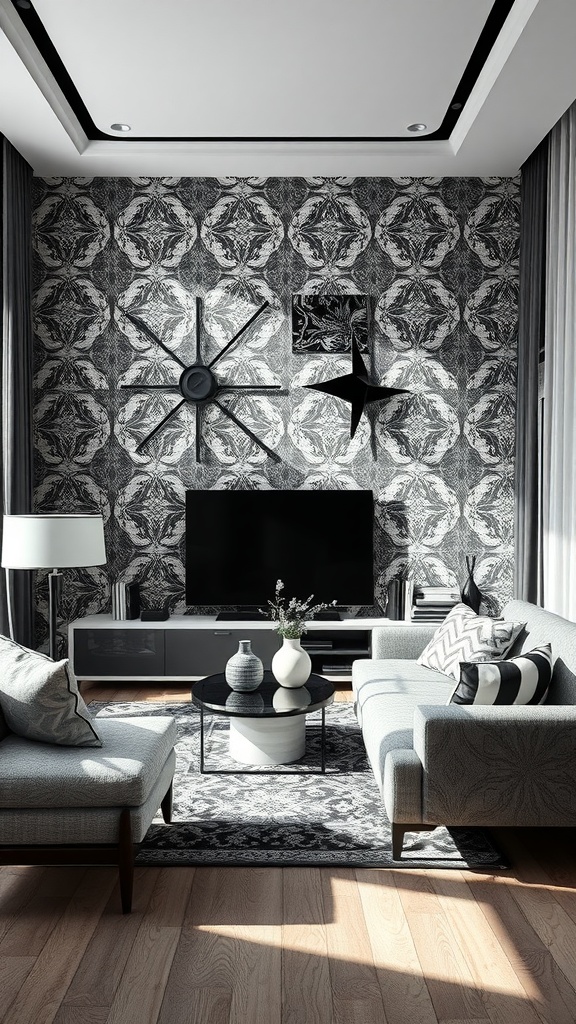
[[456, 106], [416, 127], [121, 128], [24, 4]]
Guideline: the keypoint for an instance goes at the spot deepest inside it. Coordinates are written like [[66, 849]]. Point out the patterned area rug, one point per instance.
[[287, 819]]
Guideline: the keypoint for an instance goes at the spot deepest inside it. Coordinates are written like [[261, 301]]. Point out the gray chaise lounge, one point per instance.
[[86, 805], [439, 764]]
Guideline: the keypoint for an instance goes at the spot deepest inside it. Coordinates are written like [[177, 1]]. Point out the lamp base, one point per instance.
[[54, 590]]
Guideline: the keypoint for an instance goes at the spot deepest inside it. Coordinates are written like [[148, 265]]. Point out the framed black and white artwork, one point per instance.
[[329, 323]]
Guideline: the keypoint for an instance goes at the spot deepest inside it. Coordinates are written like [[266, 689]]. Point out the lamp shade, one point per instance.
[[52, 541]]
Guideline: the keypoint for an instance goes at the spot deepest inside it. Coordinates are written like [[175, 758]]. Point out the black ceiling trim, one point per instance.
[[494, 22]]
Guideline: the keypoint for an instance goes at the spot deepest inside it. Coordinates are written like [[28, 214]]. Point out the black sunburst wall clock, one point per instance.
[[199, 386]]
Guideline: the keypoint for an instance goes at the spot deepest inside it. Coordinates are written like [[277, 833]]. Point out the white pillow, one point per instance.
[[466, 636]]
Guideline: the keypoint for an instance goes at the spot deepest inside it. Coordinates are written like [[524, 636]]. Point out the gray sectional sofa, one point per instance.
[[447, 764]]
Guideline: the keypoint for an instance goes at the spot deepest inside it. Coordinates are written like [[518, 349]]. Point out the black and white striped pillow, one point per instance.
[[521, 680]]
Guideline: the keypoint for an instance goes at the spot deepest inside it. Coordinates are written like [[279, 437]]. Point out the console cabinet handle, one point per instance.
[[222, 632]]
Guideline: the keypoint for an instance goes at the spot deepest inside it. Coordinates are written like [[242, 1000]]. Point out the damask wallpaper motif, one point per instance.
[[438, 259]]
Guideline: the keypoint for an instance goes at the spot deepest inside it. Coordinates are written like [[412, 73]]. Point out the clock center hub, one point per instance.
[[198, 383]]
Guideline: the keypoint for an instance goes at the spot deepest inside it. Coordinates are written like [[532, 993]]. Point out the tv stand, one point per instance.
[[188, 647]]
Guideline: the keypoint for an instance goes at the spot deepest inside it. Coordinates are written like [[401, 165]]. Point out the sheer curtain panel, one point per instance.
[[527, 526]]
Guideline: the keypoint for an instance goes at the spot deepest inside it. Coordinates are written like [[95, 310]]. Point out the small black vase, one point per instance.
[[470, 594]]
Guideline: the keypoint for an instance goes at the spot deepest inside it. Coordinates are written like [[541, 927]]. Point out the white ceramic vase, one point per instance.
[[291, 665]]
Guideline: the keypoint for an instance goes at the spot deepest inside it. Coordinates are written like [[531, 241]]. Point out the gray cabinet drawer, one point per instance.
[[199, 652], [119, 653]]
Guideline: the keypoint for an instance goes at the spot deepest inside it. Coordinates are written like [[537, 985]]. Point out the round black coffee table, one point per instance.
[[267, 725]]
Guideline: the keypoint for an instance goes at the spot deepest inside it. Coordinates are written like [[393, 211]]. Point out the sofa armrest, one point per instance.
[[402, 786], [402, 641], [497, 765]]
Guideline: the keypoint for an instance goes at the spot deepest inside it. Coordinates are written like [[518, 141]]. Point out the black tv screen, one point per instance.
[[238, 543]]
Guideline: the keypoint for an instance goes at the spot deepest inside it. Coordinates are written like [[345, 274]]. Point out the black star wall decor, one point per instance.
[[356, 388], [198, 384]]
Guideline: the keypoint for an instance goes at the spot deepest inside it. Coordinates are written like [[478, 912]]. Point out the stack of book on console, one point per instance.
[[432, 604]]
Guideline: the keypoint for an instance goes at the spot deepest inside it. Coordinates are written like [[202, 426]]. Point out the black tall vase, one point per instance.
[[470, 594]]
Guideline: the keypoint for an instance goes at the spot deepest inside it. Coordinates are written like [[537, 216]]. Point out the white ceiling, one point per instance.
[[335, 76]]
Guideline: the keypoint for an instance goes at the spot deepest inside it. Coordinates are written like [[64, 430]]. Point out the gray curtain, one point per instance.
[[16, 389], [559, 405], [527, 532]]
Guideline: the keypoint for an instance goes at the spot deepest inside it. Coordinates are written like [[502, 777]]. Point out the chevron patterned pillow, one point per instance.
[[466, 636], [521, 680]]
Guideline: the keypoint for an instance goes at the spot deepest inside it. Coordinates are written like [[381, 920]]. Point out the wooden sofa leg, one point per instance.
[[126, 861], [166, 805], [397, 840]]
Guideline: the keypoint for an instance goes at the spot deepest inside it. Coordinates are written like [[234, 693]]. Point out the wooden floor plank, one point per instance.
[[356, 992], [305, 967], [141, 989], [82, 1014], [449, 979], [398, 968], [33, 926], [45, 986], [542, 979], [553, 926], [13, 973], [229, 955], [103, 964], [504, 997], [17, 888], [557, 879], [61, 881]]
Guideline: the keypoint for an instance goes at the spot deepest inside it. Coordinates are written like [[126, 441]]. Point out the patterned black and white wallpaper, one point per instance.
[[438, 260]]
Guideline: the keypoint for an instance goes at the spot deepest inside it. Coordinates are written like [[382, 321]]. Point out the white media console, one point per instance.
[[188, 647]]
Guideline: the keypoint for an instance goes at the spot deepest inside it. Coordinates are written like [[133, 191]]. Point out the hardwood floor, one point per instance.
[[295, 945]]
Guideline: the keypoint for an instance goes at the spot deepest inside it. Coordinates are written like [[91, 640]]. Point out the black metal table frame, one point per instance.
[[256, 770]]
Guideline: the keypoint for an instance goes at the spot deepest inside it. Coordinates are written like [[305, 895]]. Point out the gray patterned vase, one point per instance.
[[244, 671]]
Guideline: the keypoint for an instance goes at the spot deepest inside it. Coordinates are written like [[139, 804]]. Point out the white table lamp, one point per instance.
[[53, 542]]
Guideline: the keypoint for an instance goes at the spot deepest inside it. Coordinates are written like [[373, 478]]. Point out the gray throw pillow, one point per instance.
[[466, 636], [40, 698]]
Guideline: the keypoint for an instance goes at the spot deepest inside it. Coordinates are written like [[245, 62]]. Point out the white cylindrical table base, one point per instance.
[[268, 740]]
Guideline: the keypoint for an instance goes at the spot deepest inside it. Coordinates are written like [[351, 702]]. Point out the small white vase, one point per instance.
[[291, 665]]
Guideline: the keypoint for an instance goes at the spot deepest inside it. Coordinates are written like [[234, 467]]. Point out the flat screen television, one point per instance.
[[239, 543]]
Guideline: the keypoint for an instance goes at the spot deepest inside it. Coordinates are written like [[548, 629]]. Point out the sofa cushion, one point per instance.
[[545, 627], [388, 720], [40, 698], [387, 691], [466, 636], [521, 680], [32, 826], [122, 774]]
